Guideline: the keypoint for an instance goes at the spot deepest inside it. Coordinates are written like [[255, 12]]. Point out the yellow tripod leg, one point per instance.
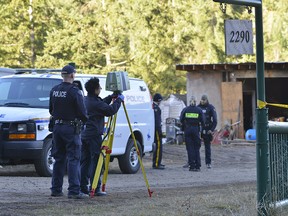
[[138, 153], [108, 152], [97, 174], [100, 163]]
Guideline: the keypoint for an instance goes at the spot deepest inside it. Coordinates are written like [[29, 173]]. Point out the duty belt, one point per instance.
[[60, 121], [193, 124]]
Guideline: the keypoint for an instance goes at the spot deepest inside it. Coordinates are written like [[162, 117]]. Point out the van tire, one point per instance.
[[44, 165], [129, 162]]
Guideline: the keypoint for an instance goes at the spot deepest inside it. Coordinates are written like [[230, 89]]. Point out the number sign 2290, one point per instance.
[[238, 37]]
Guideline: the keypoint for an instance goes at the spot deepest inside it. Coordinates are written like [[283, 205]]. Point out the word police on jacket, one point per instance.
[[59, 94]]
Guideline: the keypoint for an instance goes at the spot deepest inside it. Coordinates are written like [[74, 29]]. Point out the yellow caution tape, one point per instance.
[[262, 104]]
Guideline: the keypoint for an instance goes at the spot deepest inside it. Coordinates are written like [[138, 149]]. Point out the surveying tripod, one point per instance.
[[106, 150]]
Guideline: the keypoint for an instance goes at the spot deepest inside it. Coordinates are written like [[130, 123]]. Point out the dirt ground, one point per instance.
[[176, 191]]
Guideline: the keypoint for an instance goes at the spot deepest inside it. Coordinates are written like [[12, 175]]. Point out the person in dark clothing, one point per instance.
[[192, 119], [157, 151], [97, 109], [66, 106], [210, 123]]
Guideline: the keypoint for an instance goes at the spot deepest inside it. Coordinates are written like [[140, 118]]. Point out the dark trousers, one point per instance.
[[193, 144], [66, 147], [207, 138], [157, 152], [91, 149]]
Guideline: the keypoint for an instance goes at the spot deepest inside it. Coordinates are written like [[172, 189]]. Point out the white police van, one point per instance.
[[24, 118]]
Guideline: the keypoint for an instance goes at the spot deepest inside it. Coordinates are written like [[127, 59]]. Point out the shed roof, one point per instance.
[[231, 66]]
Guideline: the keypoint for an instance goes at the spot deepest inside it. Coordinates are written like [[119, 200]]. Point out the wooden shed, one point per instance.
[[231, 88]]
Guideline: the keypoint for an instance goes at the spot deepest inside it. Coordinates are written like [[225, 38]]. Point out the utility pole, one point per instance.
[[261, 113]]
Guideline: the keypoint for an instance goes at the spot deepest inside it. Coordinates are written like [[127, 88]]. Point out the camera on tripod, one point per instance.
[[117, 81]]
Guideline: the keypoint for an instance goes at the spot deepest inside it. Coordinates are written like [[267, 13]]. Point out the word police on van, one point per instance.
[[24, 119]]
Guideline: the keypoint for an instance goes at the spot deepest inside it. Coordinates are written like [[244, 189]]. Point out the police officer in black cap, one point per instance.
[[210, 123], [68, 110], [157, 151], [97, 109], [191, 118]]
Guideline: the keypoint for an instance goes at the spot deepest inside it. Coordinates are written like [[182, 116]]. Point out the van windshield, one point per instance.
[[26, 92]]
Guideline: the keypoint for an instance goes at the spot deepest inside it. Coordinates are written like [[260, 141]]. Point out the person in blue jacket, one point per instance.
[[191, 119], [210, 123], [66, 106], [97, 109]]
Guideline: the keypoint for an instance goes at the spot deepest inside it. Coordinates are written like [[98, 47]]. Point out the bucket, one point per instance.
[[250, 134]]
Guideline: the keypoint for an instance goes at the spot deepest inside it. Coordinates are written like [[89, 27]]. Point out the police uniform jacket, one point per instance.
[[157, 117], [191, 116], [210, 116], [97, 108], [67, 103]]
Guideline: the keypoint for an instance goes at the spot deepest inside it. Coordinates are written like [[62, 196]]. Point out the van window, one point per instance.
[[26, 92]]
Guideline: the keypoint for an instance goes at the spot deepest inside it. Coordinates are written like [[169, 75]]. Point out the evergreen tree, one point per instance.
[[24, 26]]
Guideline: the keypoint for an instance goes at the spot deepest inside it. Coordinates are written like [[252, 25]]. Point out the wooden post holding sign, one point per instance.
[[238, 37]]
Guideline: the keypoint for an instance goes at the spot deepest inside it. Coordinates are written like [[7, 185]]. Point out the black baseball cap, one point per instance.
[[68, 69]]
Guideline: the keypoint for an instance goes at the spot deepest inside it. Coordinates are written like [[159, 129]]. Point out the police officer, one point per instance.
[[192, 119], [68, 110], [91, 136], [210, 123], [157, 152]]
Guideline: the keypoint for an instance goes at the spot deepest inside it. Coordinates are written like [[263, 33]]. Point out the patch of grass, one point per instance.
[[234, 200]]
